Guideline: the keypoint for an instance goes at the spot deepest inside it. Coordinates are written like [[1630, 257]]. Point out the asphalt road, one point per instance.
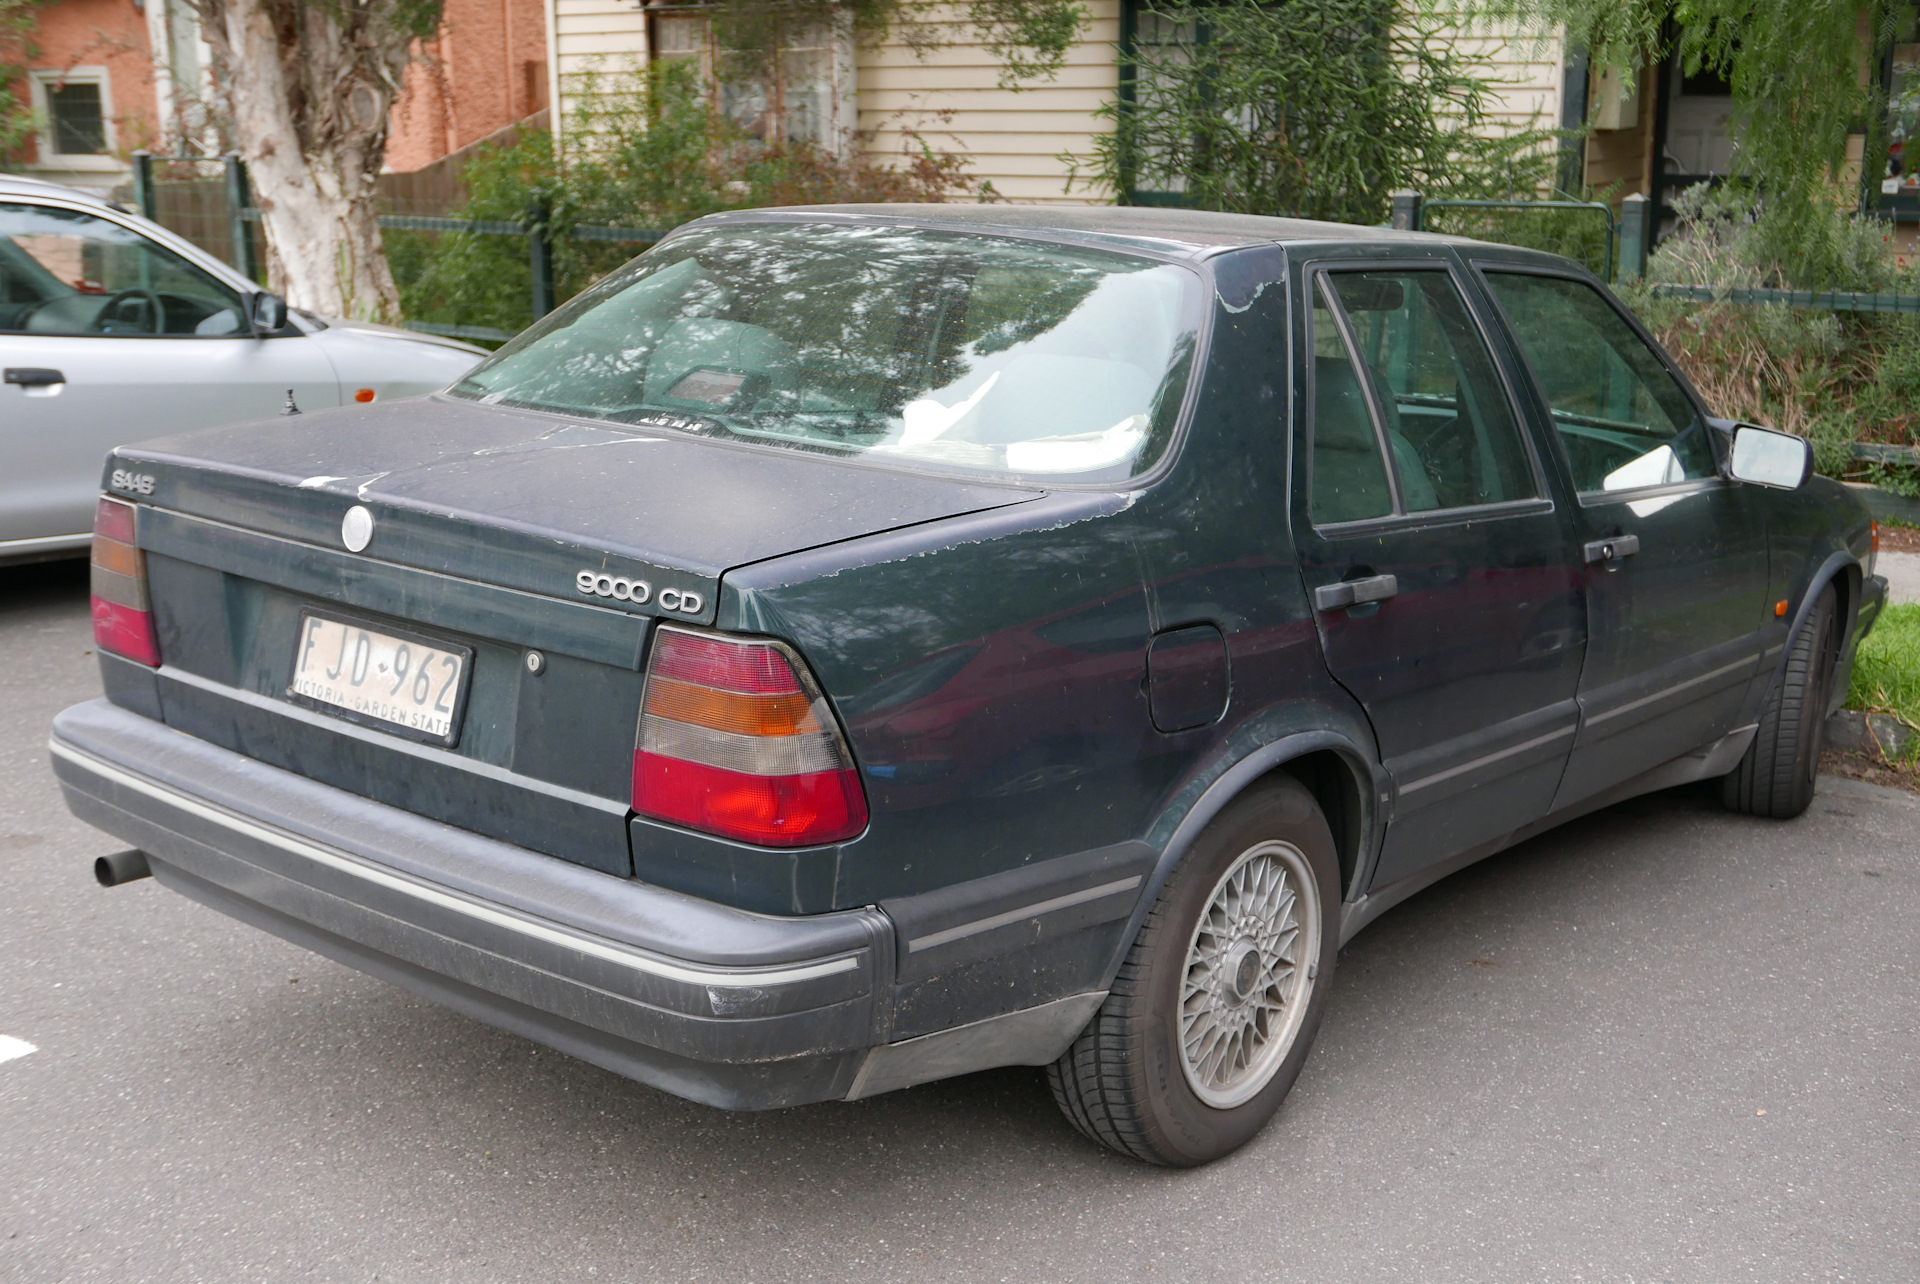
[[1663, 1043]]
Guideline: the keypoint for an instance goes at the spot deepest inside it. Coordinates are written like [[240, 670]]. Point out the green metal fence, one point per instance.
[[1611, 246], [240, 245]]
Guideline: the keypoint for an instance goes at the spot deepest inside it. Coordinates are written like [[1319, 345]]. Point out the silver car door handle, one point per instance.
[[1374, 588], [33, 376], [1612, 550]]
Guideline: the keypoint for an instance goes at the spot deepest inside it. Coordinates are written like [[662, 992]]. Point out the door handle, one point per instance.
[[1612, 550], [1374, 588], [33, 376]]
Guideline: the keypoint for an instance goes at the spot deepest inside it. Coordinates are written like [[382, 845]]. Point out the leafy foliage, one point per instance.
[[1796, 69], [1029, 38], [1578, 234], [643, 151], [1317, 108], [17, 23], [1834, 377]]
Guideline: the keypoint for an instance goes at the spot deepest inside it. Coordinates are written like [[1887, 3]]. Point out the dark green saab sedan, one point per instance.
[[850, 647]]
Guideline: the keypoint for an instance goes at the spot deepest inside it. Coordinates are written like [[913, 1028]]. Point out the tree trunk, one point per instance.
[[309, 87]]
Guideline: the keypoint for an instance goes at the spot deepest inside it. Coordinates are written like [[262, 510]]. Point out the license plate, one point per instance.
[[410, 684]]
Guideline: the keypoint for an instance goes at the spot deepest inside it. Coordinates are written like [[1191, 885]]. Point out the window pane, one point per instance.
[[1349, 478], [77, 127], [1454, 437], [969, 351], [63, 272], [1623, 420]]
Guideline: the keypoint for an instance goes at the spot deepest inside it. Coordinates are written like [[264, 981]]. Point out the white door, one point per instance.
[[108, 337]]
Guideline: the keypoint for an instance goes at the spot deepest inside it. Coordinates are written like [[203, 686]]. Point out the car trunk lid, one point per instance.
[[529, 501]]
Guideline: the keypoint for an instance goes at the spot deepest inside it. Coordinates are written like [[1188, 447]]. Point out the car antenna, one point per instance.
[[289, 408]]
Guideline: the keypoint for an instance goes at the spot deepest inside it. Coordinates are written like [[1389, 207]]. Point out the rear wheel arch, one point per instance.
[[1340, 774], [1342, 786]]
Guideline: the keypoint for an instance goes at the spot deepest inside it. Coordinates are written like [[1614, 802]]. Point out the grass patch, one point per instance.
[[1886, 670]]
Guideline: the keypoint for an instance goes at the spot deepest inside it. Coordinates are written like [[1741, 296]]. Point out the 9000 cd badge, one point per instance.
[[623, 589]]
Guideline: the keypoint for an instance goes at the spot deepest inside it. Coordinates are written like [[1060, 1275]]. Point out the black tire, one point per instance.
[[1778, 774], [1126, 1082]]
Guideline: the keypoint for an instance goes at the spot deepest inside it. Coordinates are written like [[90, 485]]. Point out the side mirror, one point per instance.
[[269, 313], [1769, 458]]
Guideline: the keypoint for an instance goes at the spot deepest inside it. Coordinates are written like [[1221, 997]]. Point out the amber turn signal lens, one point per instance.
[[363, 395], [1779, 608]]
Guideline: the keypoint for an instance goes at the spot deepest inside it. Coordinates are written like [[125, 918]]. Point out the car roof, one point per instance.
[[1199, 233], [21, 185]]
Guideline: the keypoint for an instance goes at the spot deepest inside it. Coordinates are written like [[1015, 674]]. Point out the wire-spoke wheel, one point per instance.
[[1249, 966], [1214, 1007]]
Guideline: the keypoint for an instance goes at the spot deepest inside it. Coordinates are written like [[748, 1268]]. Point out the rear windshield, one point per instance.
[[953, 351]]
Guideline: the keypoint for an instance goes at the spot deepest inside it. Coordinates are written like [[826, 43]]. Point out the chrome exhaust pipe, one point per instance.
[[122, 867]]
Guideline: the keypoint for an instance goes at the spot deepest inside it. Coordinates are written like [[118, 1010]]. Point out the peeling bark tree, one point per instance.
[[309, 85]]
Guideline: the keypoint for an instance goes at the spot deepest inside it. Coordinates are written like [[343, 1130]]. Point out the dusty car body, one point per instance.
[[1106, 737]]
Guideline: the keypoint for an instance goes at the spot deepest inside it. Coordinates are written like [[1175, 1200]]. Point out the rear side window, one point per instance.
[[1622, 419], [1349, 480], [1402, 374]]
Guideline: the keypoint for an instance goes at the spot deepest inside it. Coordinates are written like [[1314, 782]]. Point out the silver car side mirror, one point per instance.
[[269, 313], [1769, 458]]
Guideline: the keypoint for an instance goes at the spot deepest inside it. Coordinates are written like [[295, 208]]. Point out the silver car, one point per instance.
[[113, 329]]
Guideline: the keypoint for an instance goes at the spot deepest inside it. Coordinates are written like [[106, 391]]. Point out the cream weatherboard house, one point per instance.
[[842, 93], [1664, 133]]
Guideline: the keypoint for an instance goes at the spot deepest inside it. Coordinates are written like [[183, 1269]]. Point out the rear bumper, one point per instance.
[[730, 1008]]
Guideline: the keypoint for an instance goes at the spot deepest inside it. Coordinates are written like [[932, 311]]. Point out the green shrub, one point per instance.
[[1834, 377], [643, 151], [1313, 108]]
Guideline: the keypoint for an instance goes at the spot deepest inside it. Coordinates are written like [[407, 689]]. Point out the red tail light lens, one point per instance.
[[736, 740], [122, 615]]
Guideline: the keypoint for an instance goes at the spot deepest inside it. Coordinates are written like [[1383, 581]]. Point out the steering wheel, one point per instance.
[[109, 312]]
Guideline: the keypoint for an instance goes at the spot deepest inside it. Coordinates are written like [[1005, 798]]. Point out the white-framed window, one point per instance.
[[75, 106], [805, 95]]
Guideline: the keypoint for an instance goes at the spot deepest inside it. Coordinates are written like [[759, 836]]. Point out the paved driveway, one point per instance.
[[1664, 1043]]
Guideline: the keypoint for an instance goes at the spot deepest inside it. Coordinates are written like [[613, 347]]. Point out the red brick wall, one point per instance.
[[486, 70], [110, 34]]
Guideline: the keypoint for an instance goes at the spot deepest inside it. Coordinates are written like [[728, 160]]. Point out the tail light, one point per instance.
[[736, 740], [122, 615]]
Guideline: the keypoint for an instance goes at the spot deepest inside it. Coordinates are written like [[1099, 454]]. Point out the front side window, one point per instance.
[[972, 352], [1624, 421], [65, 272]]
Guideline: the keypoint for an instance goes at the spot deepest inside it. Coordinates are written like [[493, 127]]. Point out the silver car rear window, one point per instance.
[[977, 353]]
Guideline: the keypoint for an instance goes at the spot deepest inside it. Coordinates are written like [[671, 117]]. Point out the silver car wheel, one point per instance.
[[1250, 971]]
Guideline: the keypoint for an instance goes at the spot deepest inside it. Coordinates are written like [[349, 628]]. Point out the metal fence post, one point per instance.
[[1636, 236], [1406, 210], [143, 194], [239, 201], [540, 255]]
